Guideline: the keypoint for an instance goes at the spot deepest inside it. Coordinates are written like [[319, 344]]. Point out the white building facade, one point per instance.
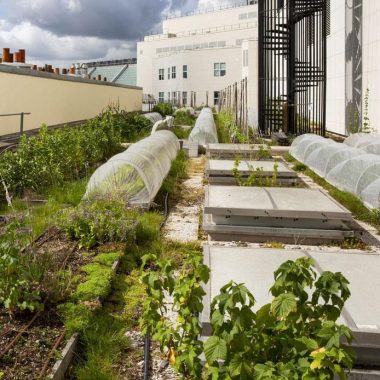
[[196, 56], [353, 70]]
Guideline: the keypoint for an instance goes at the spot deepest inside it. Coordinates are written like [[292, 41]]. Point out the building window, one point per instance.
[[168, 72], [161, 74], [216, 97], [245, 58], [219, 69], [161, 97], [174, 97], [168, 97], [184, 98], [185, 71], [174, 72]]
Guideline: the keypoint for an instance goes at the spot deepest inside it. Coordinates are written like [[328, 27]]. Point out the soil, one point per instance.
[[28, 356]]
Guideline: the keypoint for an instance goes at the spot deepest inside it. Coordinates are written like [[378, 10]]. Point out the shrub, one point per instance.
[[295, 336], [21, 273], [52, 157], [100, 222], [164, 109]]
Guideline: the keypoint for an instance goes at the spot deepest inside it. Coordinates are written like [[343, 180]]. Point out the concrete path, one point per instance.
[[182, 224]]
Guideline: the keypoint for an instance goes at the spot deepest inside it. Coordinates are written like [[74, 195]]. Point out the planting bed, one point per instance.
[[27, 338], [222, 171]]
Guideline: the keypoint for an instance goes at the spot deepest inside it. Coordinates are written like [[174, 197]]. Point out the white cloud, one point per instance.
[[46, 47]]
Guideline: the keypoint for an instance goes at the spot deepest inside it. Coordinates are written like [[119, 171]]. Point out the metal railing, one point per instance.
[[213, 9], [22, 114], [215, 29]]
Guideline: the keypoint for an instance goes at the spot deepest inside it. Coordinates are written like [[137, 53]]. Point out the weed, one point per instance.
[[275, 244]]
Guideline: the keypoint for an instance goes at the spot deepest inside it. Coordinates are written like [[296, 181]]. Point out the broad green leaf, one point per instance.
[[215, 348], [283, 305]]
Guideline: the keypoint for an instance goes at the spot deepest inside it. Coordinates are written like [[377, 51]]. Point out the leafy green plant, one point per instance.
[[295, 336], [180, 338], [133, 126], [100, 222], [184, 118], [256, 176], [164, 109], [21, 272]]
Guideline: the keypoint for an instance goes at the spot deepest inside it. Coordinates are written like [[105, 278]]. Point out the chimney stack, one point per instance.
[[6, 55], [56, 70], [72, 70], [22, 55], [64, 71], [99, 77], [17, 57]]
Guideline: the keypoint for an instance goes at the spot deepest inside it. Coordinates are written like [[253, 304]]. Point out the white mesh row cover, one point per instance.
[[371, 194], [304, 146], [325, 158], [163, 124], [355, 174], [137, 174], [360, 140], [300, 138], [373, 148], [204, 131], [153, 117]]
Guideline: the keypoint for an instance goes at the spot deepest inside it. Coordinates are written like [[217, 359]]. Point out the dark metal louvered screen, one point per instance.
[[292, 66]]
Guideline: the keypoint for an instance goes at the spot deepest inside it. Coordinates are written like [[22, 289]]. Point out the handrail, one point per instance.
[[21, 114], [211, 30], [212, 9]]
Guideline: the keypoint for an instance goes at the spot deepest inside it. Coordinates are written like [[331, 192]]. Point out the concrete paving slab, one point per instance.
[[272, 202], [262, 234], [243, 150], [255, 267], [246, 167]]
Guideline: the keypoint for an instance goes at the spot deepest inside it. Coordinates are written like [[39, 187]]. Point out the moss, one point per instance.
[[107, 259], [76, 317], [97, 284]]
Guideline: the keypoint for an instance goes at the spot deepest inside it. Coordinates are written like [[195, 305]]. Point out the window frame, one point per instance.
[[174, 72], [220, 69], [161, 97], [185, 72], [161, 74]]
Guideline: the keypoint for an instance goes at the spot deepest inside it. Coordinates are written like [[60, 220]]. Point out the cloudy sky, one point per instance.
[[61, 32]]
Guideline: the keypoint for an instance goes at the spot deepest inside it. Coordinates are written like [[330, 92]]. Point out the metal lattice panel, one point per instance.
[[292, 66]]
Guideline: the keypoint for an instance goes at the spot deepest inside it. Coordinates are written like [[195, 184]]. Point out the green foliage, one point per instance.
[[76, 317], [21, 273], [97, 284], [180, 339], [149, 227], [178, 171], [164, 109], [256, 177], [181, 133], [100, 222], [184, 118], [293, 337], [133, 126], [53, 157]]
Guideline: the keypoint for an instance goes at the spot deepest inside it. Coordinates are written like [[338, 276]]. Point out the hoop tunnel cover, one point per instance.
[[353, 166], [204, 131], [137, 174]]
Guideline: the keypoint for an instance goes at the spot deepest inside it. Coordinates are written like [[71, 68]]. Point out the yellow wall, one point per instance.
[[57, 101]]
